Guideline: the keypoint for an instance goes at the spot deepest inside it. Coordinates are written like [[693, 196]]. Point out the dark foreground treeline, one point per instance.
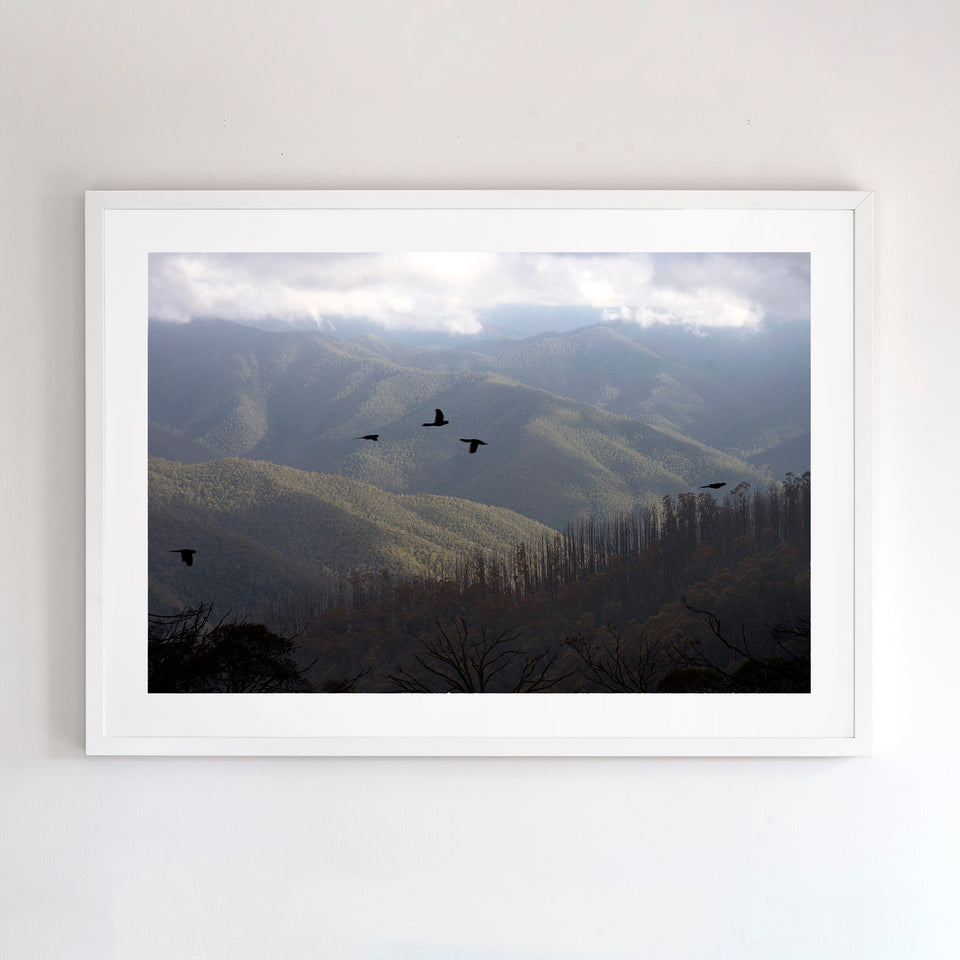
[[693, 595]]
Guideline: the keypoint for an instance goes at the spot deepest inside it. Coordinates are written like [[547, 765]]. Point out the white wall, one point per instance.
[[381, 860]]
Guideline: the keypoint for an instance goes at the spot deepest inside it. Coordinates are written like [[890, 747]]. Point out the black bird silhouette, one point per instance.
[[713, 486], [368, 436], [474, 443], [186, 556], [438, 420]]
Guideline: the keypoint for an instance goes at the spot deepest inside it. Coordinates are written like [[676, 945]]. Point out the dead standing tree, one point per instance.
[[617, 665], [748, 671], [461, 661], [346, 684], [690, 656]]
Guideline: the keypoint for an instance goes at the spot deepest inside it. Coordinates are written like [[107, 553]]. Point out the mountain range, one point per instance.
[[586, 422]]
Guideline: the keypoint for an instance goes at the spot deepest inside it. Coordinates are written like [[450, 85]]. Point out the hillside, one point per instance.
[[703, 595], [263, 531], [301, 399]]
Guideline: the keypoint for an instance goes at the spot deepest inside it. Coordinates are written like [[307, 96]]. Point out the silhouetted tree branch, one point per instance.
[[466, 662], [186, 655], [618, 666], [713, 622], [793, 639], [751, 673], [346, 685]]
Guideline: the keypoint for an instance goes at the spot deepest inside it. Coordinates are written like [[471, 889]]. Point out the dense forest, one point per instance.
[[693, 594], [272, 541]]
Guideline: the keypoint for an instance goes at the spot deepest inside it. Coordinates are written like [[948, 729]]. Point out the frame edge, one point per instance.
[[99, 202]]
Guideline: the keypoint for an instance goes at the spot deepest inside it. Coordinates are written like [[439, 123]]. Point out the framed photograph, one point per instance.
[[601, 457]]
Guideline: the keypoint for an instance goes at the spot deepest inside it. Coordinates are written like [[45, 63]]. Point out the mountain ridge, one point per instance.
[[300, 399], [261, 529]]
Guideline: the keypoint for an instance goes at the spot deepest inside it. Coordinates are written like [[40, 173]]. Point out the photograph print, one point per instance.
[[479, 473]]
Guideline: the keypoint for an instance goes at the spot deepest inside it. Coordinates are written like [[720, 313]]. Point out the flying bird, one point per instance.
[[438, 420], [186, 556], [474, 443], [368, 436], [713, 486]]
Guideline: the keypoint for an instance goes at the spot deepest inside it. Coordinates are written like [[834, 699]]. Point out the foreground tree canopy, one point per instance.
[[187, 655]]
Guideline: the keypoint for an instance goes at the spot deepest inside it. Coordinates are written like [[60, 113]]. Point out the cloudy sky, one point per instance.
[[460, 293]]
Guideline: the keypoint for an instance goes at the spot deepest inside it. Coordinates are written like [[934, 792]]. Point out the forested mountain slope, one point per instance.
[[743, 392], [263, 531], [302, 399]]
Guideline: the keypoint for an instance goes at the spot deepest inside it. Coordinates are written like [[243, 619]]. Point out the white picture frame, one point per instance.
[[123, 227]]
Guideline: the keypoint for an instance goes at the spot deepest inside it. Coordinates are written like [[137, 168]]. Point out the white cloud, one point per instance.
[[452, 291], [777, 283], [697, 308]]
